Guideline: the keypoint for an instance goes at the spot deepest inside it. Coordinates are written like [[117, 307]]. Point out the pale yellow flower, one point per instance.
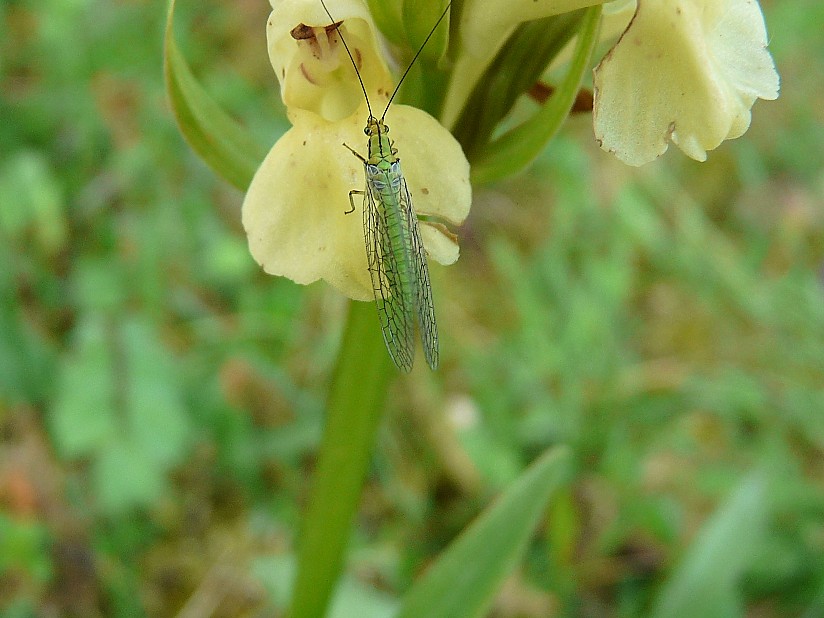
[[294, 210], [686, 71], [313, 69]]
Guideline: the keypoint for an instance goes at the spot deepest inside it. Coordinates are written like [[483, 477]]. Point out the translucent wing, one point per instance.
[[423, 291], [393, 295]]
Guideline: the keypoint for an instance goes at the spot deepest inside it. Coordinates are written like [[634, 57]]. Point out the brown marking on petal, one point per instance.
[[443, 230], [424, 191], [301, 32], [358, 59], [608, 56], [306, 74], [309, 35]]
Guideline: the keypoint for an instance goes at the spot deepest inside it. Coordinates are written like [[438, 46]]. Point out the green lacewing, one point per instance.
[[394, 249]]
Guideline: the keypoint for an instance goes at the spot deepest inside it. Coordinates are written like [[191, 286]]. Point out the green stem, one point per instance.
[[356, 398]]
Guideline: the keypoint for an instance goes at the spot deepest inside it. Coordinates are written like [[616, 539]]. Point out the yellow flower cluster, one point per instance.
[[683, 71]]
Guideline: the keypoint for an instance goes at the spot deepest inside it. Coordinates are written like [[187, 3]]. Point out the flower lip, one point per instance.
[[294, 211], [686, 72]]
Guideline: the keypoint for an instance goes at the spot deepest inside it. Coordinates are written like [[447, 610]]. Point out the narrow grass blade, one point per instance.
[[705, 582], [465, 578], [220, 141]]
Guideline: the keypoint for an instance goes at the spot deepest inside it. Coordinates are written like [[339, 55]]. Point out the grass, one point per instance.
[[162, 401]]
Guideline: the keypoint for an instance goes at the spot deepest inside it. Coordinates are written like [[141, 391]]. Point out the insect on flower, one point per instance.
[[395, 252]]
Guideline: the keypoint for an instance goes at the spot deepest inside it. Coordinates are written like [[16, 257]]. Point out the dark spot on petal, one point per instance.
[[424, 190], [306, 73], [301, 32]]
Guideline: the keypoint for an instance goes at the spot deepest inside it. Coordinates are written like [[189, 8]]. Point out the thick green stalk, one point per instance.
[[354, 407]]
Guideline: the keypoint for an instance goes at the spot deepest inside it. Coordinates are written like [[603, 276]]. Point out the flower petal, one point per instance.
[[314, 70], [485, 24], [294, 211], [685, 70], [441, 245], [434, 165]]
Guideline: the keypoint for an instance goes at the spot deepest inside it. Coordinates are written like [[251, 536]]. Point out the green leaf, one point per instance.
[[119, 404], [126, 476], [464, 579], [424, 83], [222, 143], [705, 582], [82, 417], [26, 356], [24, 546], [31, 202], [354, 411], [158, 424], [516, 68], [517, 148], [419, 20], [387, 16]]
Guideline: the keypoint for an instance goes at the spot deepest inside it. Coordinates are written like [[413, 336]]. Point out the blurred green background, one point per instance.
[[161, 399]]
